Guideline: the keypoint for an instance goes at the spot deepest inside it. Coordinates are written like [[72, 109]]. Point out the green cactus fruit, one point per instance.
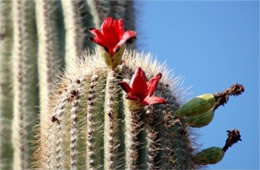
[[210, 155], [200, 120], [197, 105]]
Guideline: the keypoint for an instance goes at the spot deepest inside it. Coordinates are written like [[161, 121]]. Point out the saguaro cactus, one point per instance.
[[38, 39], [112, 107], [113, 129]]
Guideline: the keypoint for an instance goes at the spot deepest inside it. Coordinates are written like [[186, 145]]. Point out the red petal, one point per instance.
[[138, 84], [99, 42], [152, 84], [132, 97], [96, 32], [153, 100], [110, 29], [99, 38], [125, 87], [107, 23], [120, 23], [126, 36]]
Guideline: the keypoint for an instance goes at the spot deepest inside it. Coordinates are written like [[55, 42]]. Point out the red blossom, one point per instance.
[[141, 90], [112, 35]]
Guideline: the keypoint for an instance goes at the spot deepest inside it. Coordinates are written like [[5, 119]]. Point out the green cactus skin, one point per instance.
[[37, 40], [24, 80], [85, 122], [115, 137], [210, 155], [74, 32], [6, 95], [49, 53], [200, 120], [197, 105]]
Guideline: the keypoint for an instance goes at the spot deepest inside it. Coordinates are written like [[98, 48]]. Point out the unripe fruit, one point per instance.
[[197, 105], [200, 120], [211, 155]]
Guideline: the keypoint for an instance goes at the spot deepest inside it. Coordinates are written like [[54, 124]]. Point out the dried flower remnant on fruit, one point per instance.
[[112, 38], [233, 137], [141, 91]]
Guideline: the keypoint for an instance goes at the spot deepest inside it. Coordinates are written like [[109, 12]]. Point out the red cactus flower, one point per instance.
[[141, 90], [112, 35]]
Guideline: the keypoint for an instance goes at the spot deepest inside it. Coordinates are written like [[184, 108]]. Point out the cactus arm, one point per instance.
[[24, 54], [74, 33], [6, 96]]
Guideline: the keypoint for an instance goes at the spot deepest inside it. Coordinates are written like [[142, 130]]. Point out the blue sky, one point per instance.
[[211, 44]]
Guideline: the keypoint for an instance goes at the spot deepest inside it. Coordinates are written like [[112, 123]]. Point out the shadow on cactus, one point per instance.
[[104, 114]]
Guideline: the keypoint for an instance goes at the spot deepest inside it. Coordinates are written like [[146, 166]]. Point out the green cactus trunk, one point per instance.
[[114, 137], [80, 118], [38, 39]]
